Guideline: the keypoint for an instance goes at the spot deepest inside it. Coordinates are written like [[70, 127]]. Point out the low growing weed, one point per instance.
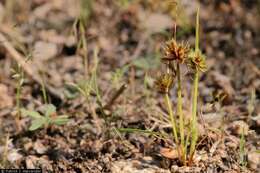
[[47, 118], [18, 75]]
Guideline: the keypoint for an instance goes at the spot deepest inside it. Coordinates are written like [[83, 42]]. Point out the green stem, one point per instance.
[[18, 105], [197, 30], [44, 92], [18, 97], [179, 109], [194, 132], [173, 122], [85, 51], [187, 141]]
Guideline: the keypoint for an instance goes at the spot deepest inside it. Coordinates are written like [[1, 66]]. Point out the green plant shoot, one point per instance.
[[49, 117]]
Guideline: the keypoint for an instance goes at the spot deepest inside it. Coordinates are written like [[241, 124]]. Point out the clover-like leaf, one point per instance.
[[49, 109], [37, 123], [33, 114], [60, 120]]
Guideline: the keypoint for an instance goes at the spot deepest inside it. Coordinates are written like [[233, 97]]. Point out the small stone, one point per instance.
[[33, 162], [157, 22], [29, 162], [232, 141], [239, 128], [253, 160], [39, 147], [45, 50], [28, 146], [14, 156], [5, 99], [147, 158], [135, 166], [169, 153]]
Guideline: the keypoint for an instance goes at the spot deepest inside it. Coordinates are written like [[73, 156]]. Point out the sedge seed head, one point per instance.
[[174, 51], [197, 61], [164, 83]]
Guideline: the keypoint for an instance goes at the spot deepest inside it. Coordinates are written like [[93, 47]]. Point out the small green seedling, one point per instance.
[[49, 117], [89, 86], [251, 104], [242, 149], [79, 31], [117, 76], [18, 76]]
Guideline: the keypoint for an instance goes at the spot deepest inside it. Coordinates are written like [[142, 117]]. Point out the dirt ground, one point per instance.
[[59, 45]]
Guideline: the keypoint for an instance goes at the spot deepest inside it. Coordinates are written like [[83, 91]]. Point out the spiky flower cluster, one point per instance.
[[197, 61], [179, 53], [174, 51], [164, 83]]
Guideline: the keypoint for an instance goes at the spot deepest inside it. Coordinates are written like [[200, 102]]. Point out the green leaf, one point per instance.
[[32, 114], [37, 123], [84, 87], [120, 72], [21, 81], [60, 120], [16, 76], [49, 109]]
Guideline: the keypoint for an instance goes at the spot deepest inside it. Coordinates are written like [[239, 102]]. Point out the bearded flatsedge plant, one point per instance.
[[177, 54], [197, 64], [164, 83]]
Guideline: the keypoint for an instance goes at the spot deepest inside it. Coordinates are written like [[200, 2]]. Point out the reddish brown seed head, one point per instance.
[[174, 51]]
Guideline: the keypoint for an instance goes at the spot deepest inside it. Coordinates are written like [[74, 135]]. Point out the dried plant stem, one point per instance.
[[28, 67], [242, 151], [173, 122], [115, 96], [5, 152], [44, 94], [18, 106], [83, 45], [18, 97], [179, 110]]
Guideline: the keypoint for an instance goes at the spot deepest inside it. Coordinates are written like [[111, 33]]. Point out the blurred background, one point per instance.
[[57, 43]]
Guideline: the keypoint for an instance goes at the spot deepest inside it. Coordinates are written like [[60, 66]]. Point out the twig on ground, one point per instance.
[[115, 96], [28, 67]]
